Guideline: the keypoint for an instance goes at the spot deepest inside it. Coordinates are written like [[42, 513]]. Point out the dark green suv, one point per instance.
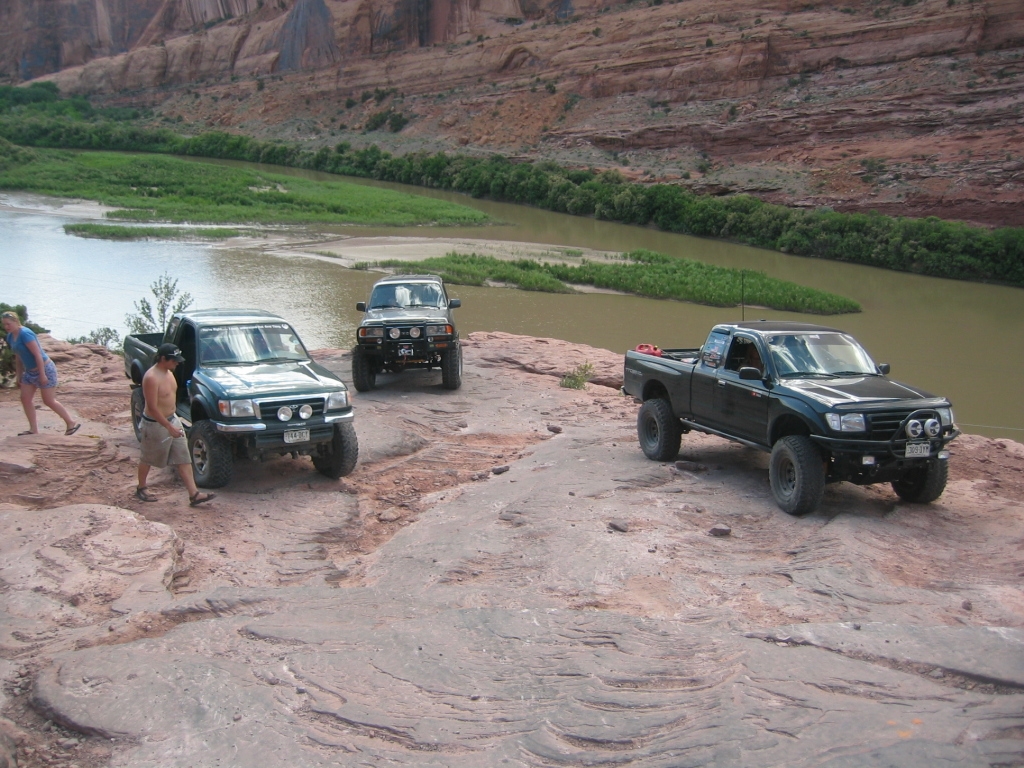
[[407, 323]]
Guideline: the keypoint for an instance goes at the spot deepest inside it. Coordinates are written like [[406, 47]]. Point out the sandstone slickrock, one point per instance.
[[501, 624]]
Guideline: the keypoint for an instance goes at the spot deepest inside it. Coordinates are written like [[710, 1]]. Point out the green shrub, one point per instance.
[[578, 377]]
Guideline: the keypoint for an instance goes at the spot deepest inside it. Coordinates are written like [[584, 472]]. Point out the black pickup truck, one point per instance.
[[407, 323], [248, 388], [809, 395]]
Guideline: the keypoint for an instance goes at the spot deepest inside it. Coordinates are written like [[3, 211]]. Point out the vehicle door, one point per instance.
[[703, 381], [186, 342], [742, 404]]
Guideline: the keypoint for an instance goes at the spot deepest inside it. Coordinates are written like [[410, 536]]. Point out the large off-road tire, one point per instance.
[[363, 374], [138, 408], [796, 471], [659, 430], [338, 459], [923, 484], [212, 462], [451, 367]]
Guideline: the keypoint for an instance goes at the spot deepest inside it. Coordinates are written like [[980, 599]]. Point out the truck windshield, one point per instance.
[[819, 354], [402, 296], [249, 344]]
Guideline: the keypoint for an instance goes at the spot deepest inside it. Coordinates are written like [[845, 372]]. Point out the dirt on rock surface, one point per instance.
[[503, 580]]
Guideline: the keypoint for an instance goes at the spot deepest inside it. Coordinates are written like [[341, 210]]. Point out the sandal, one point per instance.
[[26, 432], [200, 498], [142, 494], [71, 430]]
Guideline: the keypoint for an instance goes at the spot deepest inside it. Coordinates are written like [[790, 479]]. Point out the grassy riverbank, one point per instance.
[[925, 246], [118, 232], [155, 188], [642, 273]]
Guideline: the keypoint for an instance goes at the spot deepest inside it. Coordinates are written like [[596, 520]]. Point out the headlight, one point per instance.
[[439, 330], [846, 422], [337, 400], [236, 409], [414, 332], [945, 416], [371, 333], [394, 333]]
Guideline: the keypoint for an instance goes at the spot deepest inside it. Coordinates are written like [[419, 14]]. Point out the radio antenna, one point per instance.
[[743, 303]]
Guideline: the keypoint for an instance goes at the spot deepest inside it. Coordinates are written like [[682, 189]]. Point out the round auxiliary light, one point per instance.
[[305, 411], [914, 429], [415, 332], [284, 413], [394, 333], [932, 427]]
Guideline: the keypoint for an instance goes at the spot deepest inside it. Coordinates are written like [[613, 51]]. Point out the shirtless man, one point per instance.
[[163, 439]]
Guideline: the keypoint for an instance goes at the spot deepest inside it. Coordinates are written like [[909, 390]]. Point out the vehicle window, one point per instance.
[[400, 296], [832, 354], [743, 354], [242, 344], [713, 350]]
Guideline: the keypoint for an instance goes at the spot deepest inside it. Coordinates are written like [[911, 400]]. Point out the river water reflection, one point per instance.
[[963, 340]]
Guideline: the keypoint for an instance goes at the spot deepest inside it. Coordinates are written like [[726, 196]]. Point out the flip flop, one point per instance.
[[144, 495], [72, 430], [26, 432], [200, 498]]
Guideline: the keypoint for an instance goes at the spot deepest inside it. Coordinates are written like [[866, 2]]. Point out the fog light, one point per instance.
[[932, 427], [305, 411], [867, 461], [944, 455], [394, 333], [414, 333], [914, 429], [284, 413]]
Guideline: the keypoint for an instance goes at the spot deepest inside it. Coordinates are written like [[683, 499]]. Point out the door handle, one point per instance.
[[721, 383]]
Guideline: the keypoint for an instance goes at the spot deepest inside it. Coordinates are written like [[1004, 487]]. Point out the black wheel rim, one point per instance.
[[787, 477]]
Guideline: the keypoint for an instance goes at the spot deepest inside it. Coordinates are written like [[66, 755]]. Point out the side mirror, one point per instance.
[[883, 368], [455, 303], [750, 373], [360, 306]]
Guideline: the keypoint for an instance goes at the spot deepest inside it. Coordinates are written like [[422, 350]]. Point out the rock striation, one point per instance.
[[905, 108]]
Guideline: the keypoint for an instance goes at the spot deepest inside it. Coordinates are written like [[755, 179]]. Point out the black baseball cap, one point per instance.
[[170, 352]]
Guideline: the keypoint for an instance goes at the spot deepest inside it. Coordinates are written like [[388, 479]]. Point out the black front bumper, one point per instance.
[[406, 351]]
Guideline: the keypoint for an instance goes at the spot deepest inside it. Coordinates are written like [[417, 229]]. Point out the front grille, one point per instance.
[[884, 425], [269, 408]]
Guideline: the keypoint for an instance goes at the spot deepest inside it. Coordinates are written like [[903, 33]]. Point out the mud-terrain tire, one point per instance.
[[339, 459], [923, 484], [659, 430], [212, 462], [363, 374], [796, 472], [451, 367], [138, 408]]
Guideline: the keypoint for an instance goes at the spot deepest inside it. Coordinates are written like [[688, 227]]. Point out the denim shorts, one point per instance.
[[32, 377]]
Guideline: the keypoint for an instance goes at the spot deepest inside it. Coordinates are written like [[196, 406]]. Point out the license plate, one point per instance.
[[918, 450], [296, 436], [405, 350]]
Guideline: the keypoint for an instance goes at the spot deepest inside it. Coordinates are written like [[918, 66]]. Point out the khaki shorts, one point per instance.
[[160, 449]]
